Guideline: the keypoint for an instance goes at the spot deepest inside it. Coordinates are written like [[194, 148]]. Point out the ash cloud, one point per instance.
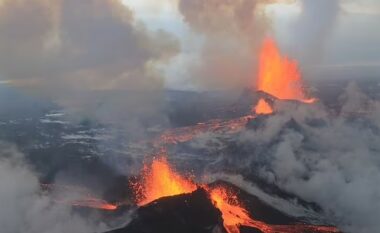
[[231, 32], [76, 51], [23, 208]]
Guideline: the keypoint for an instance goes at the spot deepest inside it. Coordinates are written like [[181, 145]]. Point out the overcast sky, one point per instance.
[[209, 44]]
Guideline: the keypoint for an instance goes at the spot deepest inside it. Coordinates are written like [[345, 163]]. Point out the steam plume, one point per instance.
[[313, 28], [24, 209]]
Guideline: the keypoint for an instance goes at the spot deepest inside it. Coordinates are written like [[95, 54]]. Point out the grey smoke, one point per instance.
[[231, 32], [314, 28], [328, 157], [334, 163], [77, 52], [23, 208]]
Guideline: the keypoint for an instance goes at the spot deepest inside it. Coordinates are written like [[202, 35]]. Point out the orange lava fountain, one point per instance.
[[278, 75], [160, 180], [262, 107]]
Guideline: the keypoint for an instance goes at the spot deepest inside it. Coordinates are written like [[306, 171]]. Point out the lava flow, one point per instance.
[[160, 180], [94, 203], [86, 199], [184, 134], [235, 215], [278, 75]]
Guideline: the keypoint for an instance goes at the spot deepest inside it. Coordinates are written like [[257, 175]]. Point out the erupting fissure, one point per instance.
[[278, 75], [161, 180]]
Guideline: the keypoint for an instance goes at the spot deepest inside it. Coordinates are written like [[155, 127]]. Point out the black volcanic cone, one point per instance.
[[186, 213]]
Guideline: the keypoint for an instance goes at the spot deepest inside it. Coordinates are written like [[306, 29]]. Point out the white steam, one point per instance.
[[24, 209], [334, 163]]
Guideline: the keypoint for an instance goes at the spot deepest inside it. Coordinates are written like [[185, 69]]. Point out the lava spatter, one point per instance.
[[159, 179]]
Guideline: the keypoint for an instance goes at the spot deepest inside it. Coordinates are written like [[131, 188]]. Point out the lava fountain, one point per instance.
[[160, 180], [279, 75]]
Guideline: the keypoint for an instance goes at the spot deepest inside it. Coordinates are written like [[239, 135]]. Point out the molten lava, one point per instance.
[[184, 134], [278, 75], [262, 107], [232, 213], [160, 180], [94, 204], [235, 215], [85, 199]]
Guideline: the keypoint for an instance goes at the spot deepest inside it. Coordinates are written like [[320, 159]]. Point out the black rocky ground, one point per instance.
[[55, 147], [195, 213], [187, 213]]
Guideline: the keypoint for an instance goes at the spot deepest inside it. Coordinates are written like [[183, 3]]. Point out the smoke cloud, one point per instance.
[[22, 206], [70, 51], [231, 32], [313, 29], [330, 160]]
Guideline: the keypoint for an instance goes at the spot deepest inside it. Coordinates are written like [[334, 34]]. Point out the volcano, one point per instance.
[[170, 202], [187, 213], [195, 212], [164, 199]]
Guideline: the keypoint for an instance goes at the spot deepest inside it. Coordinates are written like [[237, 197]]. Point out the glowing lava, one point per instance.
[[184, 134], [232, 213], [262, 107], [160, 180], [94, 204], [235, 215], [278, 75], [85, 198]]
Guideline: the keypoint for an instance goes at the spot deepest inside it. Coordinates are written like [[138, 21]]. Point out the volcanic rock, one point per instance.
[[258, 209], [186, 213]]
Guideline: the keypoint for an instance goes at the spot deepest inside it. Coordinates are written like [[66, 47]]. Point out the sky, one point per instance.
[[352, 46], [181, 44]]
